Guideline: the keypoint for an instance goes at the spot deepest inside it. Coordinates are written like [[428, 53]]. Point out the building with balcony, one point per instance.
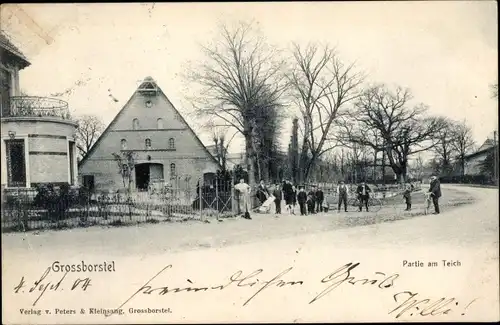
[[37, 133]]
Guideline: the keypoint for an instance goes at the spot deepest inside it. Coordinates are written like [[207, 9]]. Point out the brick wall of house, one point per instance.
[[189, 155]]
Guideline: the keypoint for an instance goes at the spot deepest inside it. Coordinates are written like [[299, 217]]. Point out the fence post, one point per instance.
[[217, 196], [200, 198], [233, 197]]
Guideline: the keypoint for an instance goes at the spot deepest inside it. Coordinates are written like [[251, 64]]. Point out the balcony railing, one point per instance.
[[32, 106]]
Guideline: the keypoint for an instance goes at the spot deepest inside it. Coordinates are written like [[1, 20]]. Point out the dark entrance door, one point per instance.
[[142, 176]]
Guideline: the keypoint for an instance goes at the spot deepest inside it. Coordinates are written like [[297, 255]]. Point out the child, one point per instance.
[[407, 197], [302, 199], [310, 203]]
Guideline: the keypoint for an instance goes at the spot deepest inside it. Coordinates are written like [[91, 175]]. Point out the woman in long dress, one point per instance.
[[244, 190]]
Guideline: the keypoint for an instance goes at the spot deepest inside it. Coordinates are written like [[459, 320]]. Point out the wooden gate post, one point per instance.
[[200, 198]]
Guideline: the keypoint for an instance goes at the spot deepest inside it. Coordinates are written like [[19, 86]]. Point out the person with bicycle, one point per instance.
[[435, 193], [363, 192]]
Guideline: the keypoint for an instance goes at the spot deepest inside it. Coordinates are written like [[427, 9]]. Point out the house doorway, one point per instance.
[[146, 174]]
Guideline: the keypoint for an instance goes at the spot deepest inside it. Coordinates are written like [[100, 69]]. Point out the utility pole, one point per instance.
[[495, 147]]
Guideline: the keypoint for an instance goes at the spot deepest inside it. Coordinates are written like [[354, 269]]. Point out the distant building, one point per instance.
[[473, 162], [38, 134], [166, 148], [232, 159]]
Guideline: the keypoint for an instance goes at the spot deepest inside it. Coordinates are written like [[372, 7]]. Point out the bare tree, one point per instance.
[[417, 167], [239, 76], [221, 142], [404, 131], [444, 145], [321, 86], [125, 162], [462, 143], [90, 128]]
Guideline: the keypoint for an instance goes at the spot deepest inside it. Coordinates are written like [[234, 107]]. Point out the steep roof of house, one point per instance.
[[7, 45], [481, 152], [148, 80], [487, 144]]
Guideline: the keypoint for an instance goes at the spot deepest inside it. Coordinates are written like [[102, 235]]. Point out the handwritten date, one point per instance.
[[42, 285]]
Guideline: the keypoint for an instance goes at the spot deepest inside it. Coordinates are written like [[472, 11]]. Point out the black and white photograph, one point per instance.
[[248, 162]]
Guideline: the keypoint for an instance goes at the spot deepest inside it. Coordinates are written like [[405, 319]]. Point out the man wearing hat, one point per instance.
[[435, 190], [342, 192]]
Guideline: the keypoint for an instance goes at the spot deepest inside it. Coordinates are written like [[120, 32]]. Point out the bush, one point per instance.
[[55, 201]]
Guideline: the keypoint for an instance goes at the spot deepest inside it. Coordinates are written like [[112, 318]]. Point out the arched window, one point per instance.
[[159, 123], [172, 170], [135, 124], [124, 144], [171, 143], [148, 143]]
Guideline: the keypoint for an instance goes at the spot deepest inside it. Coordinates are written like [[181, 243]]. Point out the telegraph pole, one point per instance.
[[495, 147]]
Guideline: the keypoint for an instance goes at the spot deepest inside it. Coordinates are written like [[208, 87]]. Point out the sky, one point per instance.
[[445, 52]]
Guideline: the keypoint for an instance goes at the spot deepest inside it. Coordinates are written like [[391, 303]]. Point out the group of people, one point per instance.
[[309, 202], [314, 201]]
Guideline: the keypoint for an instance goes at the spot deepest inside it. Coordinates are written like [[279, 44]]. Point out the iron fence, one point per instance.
[[57, 208]]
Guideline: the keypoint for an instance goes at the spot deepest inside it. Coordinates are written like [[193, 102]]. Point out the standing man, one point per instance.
[[435, 190], [277, 198], [288, 195], [302, 199], [319, 199], [363, 192], [311, 199], [342, 193]]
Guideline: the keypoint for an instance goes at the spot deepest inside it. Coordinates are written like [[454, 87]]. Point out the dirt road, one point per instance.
[[447, 263]]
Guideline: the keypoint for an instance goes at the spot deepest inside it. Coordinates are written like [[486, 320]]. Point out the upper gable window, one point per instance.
[[159, 123], [148, 143], [171, 143], [124, 144], [135, 124]]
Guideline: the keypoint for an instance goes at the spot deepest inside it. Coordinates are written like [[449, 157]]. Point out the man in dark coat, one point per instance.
[[319, 196], [277, 198], [302, 199], [311, 200], [363, 192], [288, 195], [435, 190]]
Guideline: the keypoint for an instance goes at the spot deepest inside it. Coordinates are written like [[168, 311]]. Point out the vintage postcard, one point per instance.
[[249, 162]]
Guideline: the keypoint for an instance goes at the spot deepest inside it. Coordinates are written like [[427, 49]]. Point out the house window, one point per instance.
[[71, 162], [124, 144], [88, 182], [172, 170], [5, 90], [148, 143], [171, 143], [16, 171], [135, 124], [159, 123]]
